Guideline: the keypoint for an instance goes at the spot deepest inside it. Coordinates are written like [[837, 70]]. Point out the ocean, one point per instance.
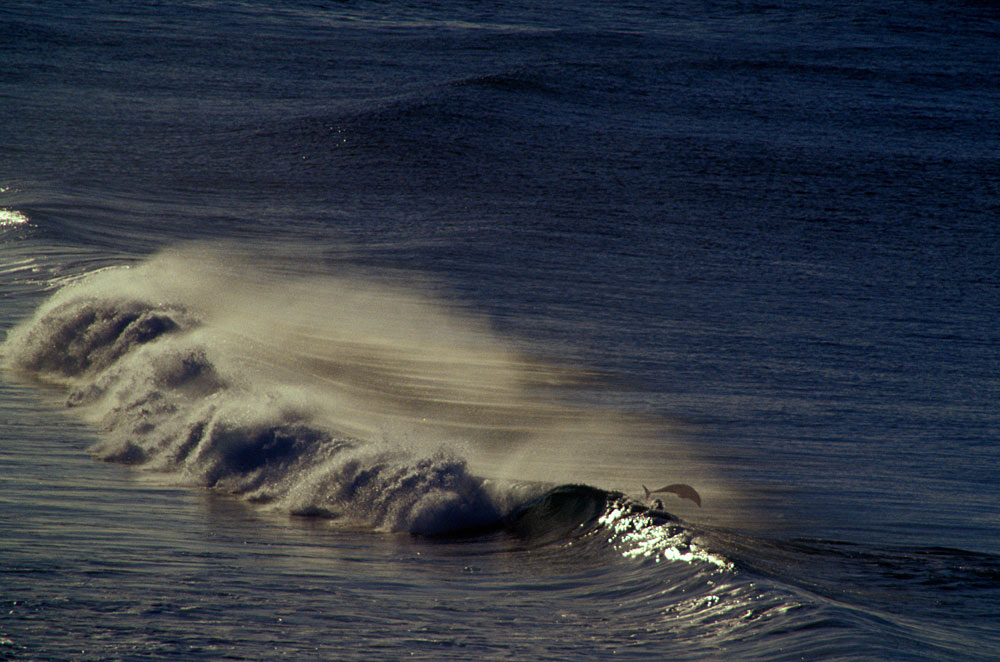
[[372, 330]]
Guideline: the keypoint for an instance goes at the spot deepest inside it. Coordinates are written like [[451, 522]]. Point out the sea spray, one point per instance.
[[335, 396]]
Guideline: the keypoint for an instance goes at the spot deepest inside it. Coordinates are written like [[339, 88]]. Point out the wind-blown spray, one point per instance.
[[323, 395]]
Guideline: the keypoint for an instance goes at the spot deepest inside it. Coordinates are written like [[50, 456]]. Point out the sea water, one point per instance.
[[349, 331]]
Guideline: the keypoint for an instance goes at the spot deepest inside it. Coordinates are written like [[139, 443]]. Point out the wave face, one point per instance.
[[315, 395]]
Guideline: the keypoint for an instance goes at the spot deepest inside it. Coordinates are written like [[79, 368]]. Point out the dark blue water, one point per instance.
[[349, 297]]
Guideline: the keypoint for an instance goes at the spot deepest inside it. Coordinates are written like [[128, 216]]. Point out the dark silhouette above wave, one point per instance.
[[680, 489]]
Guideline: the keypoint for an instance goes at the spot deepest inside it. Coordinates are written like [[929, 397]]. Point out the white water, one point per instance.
[[327, 395]]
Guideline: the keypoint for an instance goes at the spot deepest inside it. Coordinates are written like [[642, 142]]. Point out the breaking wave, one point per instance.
[[322, 396]]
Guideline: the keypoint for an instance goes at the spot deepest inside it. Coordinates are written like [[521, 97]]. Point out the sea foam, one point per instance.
[[316, 395], [338, 396]]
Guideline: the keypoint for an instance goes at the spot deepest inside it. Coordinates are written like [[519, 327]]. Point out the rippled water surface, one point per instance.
[[345, 331]]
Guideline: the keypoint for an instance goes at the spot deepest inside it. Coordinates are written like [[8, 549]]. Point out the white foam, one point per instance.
[[350, 397], [315, 395], [11, 218]]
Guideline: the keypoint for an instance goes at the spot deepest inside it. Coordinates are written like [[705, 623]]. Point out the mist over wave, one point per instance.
[[323, 395]]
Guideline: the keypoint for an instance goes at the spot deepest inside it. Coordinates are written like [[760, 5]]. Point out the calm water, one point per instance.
[[353, 331]]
